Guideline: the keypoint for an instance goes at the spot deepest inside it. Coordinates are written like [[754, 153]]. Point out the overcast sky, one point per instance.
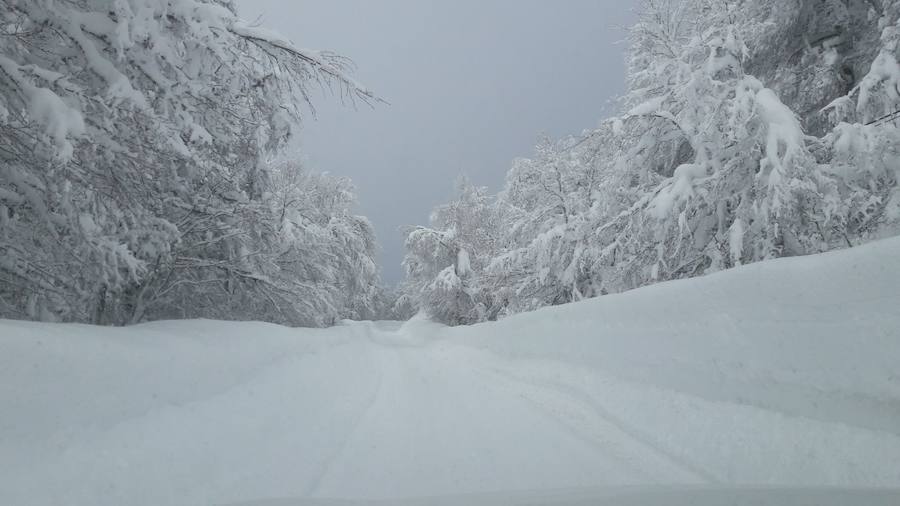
[[471, 85]]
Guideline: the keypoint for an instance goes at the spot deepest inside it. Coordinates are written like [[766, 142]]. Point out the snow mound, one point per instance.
[[781, 375]]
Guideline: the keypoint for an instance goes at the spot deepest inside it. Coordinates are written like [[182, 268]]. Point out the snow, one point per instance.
[[59, 121], [780, 375], [463, 265], [785, 136], [883, 76], [681, 188], [648, 107], [118, 85], [736, 241]]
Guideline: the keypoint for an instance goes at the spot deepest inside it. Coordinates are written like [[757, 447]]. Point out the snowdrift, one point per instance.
[[781, 375]]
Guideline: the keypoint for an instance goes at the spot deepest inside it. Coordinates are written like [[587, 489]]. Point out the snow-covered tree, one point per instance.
[[299, 257], [444, 261], [135, 135], [738, 183], [548, 206]]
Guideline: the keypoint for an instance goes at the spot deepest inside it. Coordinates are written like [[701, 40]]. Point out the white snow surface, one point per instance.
[[783, 375]]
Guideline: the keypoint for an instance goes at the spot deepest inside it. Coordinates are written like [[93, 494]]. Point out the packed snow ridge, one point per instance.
[[778, 374]]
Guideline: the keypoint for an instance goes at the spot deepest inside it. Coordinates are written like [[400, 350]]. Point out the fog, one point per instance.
[[471, 84]]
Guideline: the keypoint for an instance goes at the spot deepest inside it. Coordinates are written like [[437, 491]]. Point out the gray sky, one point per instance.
[[471, 85]]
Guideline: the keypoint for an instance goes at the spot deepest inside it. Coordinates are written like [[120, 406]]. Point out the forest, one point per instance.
[[146, 173]]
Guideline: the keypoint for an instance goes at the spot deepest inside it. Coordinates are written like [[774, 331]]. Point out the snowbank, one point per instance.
[[817, 336]]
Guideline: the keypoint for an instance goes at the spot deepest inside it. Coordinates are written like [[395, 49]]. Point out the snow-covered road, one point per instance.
[[440, 418], [787, 381]]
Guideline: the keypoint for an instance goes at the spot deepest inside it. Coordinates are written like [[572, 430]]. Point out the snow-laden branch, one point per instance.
[[332, 66]]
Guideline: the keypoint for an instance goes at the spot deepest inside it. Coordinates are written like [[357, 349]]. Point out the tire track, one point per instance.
[[326, 467], [573, 407]]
